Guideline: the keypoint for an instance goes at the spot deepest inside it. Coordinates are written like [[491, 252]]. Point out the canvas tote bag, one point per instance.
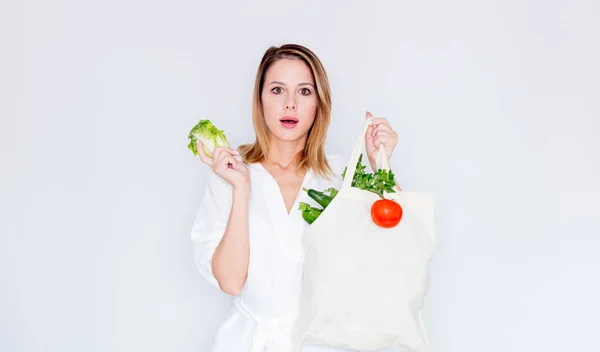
[[364, 285]]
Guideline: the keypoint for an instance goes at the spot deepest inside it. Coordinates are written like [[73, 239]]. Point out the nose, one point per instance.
[[290, 104]]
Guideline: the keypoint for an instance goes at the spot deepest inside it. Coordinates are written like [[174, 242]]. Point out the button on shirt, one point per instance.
[[262, 316]]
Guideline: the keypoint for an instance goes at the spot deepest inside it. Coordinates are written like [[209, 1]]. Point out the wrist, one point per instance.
[[242, 190]]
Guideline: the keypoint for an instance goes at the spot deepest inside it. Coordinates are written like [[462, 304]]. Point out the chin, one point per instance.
[[288, 136]]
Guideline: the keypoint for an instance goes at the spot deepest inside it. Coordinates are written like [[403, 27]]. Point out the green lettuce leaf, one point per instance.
[[209, 135]]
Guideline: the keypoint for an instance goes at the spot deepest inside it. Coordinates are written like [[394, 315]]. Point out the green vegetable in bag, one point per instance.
[[379, 182], [320, 197], [309, 214]]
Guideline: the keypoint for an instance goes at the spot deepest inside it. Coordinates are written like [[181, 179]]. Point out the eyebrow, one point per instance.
[[301, 84]]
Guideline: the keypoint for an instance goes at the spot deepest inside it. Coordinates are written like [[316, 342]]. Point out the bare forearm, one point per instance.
[[231, 258]]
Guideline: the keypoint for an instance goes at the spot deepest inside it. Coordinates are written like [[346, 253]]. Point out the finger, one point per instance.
[[383, 127], [386, 133], [388, 137], [226, 149], [368, 115], [385, 140], [370, 131], [205, 158], [228, 162], [220, 150], [225, 155], [221, 157], [216, 155], [381, 121]]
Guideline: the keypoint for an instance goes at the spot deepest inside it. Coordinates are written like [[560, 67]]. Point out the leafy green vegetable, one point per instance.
[[379, 182], [332, 192], [209, 135], [309, 214]]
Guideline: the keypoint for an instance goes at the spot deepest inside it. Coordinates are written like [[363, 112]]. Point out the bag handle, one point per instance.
[[381, 161]]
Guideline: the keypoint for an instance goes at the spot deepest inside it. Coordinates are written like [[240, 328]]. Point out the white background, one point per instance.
[[497, 108]]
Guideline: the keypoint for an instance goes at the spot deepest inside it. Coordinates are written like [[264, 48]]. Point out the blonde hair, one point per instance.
[[313, 155]]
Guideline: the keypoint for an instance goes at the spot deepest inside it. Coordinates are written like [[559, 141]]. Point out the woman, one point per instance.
[[247, 234]]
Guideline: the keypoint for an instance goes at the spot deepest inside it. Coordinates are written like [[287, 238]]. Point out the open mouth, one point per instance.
[[289, 122]]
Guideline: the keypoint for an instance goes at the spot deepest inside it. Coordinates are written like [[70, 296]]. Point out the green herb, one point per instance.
[[332, 192], [379, 182], [309, 214]]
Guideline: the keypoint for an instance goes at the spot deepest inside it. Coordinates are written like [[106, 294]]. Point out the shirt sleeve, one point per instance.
[[210, 223]]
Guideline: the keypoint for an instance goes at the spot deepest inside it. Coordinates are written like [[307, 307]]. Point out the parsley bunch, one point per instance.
[[378, 182]]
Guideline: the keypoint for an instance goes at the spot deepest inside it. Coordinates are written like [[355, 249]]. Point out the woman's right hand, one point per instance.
[[225, 165]]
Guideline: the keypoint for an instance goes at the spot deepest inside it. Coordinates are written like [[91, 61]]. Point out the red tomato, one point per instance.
[[386, 213]]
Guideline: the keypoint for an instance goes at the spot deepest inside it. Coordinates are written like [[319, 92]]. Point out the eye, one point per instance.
[[305, 91], [276, 90]]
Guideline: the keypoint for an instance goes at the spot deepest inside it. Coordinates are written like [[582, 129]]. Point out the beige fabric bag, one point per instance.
[[364, 285]]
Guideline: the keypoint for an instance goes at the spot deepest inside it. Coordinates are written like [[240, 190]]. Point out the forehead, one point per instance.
[[289, 71]]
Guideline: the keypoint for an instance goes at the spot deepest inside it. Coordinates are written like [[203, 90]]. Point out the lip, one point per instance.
[[289, 122]]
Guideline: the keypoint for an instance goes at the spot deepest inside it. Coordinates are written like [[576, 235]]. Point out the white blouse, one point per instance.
[[262, 316]]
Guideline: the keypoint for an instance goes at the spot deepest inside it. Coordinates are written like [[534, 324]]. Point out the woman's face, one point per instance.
[[289, 99]]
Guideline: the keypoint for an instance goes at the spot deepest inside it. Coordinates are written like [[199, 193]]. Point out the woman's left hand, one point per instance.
[[380, 132]]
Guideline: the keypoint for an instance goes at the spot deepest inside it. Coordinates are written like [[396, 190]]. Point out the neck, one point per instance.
[[285, 153]]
